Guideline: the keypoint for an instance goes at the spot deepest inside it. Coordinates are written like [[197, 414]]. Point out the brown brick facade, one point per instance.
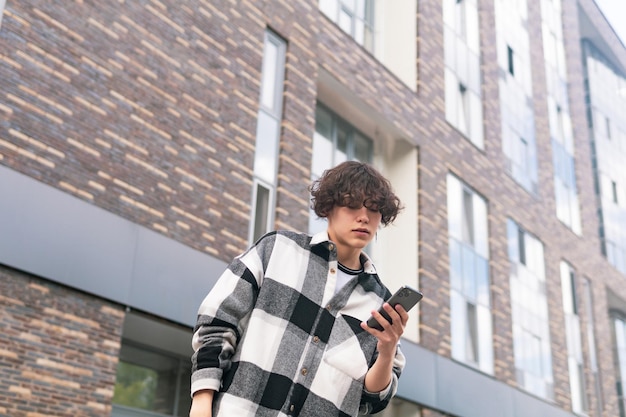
[[58, 349]]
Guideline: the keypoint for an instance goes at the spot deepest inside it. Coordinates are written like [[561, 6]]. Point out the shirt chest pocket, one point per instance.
[[349, 348]]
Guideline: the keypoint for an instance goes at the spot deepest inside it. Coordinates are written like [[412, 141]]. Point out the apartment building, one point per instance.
[[144, 144]]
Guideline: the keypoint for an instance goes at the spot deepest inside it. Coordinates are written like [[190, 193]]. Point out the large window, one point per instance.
[[154, 371], [267, 136], [619, 355], [518, 122], [574, 339], [156, 383], [566, 195], [607, 106], [334, 142], [470, 306], [462, 68], [591, 343], [355, 17], [529, 304]]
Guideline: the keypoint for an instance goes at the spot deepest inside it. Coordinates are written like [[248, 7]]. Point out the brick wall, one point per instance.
[[58, 349]]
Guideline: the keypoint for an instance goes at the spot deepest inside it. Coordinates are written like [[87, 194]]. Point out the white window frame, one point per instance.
[[462, 69], [361, 19], [266, 166], [531, 332], [573, 336], [619, 340], [470, 304]]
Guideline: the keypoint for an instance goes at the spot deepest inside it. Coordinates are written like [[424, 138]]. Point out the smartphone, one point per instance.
[[406, 296]]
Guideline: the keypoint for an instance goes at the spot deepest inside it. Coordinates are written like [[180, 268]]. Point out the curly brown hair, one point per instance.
[[354, 184]]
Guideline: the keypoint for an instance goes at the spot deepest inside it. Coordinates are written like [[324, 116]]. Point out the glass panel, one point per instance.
[[455, 205], [471, 344], [322, 155], [330, 8], [469, 273], [146, 380], [268, 82], [266, 151], [485, 352], [482, 281], [456, 272], [468, 218], [457, 323], [261, 213], [362, 148], [451, 93], [345, 21], [341, 147]]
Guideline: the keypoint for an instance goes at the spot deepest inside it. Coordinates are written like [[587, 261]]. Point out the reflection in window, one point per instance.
[[591, 343], [462, 69], [562, 138], [574, 339], [619, 356], [518, 123], [355, 17], [604, 84], [470, 307], [529, 304], [267, 136], [151, 381], [334, 142]]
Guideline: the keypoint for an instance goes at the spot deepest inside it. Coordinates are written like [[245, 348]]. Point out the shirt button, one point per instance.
[[332, 270], [291, 407], [304, 371], [328, 307], [331, 247], [316, 339]]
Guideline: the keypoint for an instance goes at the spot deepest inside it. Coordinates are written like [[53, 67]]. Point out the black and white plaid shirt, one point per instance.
[[273, 339]]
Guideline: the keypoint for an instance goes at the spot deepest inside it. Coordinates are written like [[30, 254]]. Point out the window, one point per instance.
[[334, 142], [510, 60], [267, 136], [470, 305], [591, 342], [619, 355], [531, 334], [515, 88], [574, 339], [355, 17], [565, 190], [606, 106], [154, 371], [156, 383], [462, 69]]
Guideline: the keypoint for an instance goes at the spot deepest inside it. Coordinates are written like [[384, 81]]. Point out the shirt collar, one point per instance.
[[322, 237]]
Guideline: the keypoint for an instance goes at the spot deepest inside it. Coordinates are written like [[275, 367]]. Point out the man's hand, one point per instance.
[[379, 375]]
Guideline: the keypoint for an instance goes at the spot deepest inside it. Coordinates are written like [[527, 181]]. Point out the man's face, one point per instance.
[[353, 227]]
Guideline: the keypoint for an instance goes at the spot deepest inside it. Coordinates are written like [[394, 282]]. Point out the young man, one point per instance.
[[282, 333]]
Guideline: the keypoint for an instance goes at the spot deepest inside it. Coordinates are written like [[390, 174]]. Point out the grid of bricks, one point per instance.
[[148, 109], [58, 349]]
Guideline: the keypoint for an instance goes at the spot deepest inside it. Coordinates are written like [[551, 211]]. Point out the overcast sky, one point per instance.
[[615, 12]]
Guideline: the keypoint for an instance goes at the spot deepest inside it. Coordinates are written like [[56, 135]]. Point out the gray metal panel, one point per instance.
[[52, 234], [171, 278], [419, 375], [453, 388]]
